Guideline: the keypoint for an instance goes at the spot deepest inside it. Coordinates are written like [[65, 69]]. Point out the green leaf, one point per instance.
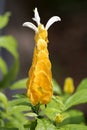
[[16, 119], [75, 113], [56, 87], [17, 101], [10, 44], [2, 124], [3, 66], [53, 108], [3, 98], [18, 96], [82, 85], [73, 117], [74, 127], [78, 98], [51, 113], [4, 19], [44, 124], [20, 84], [31, 114], [3, 128], [20, 108], [20, 101], [20, 118]]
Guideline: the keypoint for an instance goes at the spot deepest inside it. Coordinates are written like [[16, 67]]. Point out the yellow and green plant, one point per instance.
[[44, 106]]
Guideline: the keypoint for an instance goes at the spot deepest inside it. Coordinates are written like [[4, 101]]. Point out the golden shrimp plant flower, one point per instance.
[[39, 84]]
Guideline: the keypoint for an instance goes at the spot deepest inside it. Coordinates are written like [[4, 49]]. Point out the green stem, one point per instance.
[[36, 109]]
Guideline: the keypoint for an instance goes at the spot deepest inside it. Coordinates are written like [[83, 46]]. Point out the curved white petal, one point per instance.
[[30, 25], [36, 16], [51, 21]]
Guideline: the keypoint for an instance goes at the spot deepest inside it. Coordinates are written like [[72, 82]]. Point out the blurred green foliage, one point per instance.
[[21, 114], [4, 20], [9, 43]]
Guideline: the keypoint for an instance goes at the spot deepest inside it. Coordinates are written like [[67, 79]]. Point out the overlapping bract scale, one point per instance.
[[40, 78]]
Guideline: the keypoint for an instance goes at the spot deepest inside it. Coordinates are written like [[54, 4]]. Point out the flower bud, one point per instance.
[[69, 86], [59, 118]]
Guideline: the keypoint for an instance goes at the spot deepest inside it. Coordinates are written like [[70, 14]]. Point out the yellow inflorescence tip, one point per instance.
[[69, 86], [59, 118]]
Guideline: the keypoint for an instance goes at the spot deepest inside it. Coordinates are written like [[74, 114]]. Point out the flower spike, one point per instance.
[[39, 84]]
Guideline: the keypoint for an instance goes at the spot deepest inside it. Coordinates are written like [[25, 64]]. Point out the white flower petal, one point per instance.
[[51, 21], [36, 16], [30, 25]]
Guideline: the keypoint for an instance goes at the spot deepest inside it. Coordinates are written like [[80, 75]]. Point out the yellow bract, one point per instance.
[[59, 118], [39, 84], [41, 34], [69, 86]]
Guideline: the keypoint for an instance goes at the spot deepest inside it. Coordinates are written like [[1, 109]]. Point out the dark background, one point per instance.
[[67, 39]]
